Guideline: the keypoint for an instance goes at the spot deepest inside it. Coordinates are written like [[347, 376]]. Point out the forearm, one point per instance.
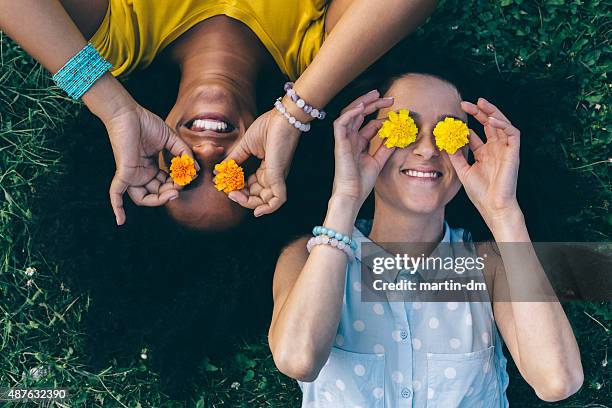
[[363, 34], [307, 321], [45, 30], [546, 344]]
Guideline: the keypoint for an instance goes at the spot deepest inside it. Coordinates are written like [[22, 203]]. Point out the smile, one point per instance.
[[426, 175], [215, 124]]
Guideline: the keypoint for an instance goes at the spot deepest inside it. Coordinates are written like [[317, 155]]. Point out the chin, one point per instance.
[[422, 207]]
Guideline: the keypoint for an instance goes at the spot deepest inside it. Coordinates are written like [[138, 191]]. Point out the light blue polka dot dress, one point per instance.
[[410, 354]]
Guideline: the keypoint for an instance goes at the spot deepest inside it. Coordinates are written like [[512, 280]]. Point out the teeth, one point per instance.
[[422, 174], [209, 124]]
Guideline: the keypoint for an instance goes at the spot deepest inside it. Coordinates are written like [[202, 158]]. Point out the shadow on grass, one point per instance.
[[188, 299]]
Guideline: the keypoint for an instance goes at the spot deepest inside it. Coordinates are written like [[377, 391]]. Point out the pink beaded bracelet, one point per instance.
[[304, 127], [325, 240]]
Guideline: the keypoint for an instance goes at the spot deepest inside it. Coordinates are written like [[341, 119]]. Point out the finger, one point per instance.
[[247, 201], [153, 185], [382, 155], [255, 189], [177, 147], [341, 124], [167, 182], [117, 188], [253, 202], [279, 192], [367, 133], [491, 110], [473, 110], [239, 196], [378, 104], [475, 142], [253, 179], [365, 99], [507, 127], [490, 133], [356, 124], [370, 129], [163, 182], [142, 197], [266, 195], [169, 185], [512, 133], [162, 176], [240, 153], [460, 164]]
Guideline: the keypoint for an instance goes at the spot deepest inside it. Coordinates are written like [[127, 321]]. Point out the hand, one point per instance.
[[356, 170], [272, 139], [137, 136], [490, 182]]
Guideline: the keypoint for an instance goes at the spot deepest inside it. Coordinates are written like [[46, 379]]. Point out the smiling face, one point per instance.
[[420, 178], [219, 59], [210, 117]]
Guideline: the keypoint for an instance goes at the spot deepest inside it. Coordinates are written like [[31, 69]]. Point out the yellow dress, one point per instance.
[[133, 32]]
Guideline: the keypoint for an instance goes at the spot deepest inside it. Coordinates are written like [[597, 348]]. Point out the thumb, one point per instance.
[[241, 152], [177, 147], [460, 164], [115, 192]]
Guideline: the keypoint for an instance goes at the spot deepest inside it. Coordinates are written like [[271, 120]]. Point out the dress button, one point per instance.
[[403, 334], [406, 393]]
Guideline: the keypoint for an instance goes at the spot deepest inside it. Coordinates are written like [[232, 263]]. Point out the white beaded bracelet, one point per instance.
[[304, 127], [325, 240]]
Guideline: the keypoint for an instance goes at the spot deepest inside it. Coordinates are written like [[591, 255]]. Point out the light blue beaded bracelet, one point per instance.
[[320, 230], [81, 72]]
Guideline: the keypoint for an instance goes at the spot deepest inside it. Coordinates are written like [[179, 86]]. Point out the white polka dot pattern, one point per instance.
[[389, 353], [378, 309], [359, 325], [450, 373]]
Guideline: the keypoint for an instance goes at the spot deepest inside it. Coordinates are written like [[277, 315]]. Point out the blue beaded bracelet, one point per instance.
[[81, 72], [320, 230]]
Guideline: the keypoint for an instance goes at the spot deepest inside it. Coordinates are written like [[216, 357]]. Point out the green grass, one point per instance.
[[101, 297]]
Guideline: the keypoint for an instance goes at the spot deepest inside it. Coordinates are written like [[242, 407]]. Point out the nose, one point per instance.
[[425, 146], [208, 154]]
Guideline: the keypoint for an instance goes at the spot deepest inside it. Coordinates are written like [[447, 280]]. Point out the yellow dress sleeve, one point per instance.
[[133, 32]]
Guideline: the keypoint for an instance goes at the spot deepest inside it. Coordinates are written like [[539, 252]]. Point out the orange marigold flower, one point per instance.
[[182, 169], [230, 176]]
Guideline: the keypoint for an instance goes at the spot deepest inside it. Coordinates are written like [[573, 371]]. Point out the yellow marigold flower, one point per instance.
[[182, 169], [451, 135], [230, 176], [399, 130]]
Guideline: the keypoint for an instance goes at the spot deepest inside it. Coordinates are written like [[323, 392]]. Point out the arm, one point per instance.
[[364, 32], [302, 331], [46, 32], [531, 320], [536, 331], [353, 45]]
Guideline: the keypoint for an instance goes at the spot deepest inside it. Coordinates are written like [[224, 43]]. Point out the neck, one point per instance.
[[220, 50], [392, 225]]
